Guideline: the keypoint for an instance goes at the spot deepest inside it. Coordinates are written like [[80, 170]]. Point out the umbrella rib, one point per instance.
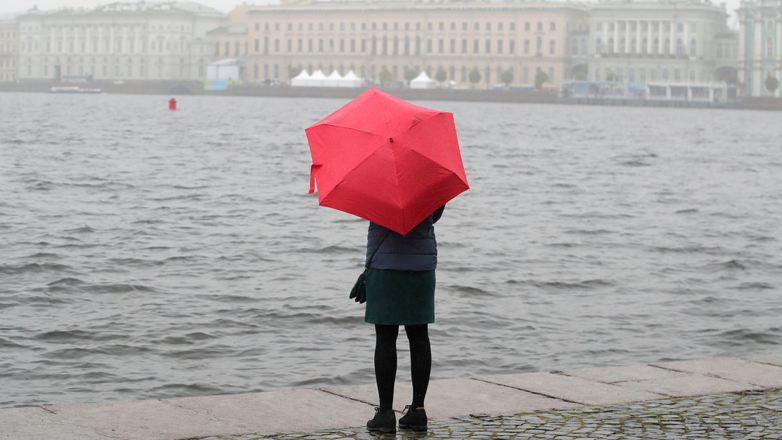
[[350, 128]]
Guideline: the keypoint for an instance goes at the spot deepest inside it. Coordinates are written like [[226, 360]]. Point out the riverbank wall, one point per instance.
[[350, 406], [178, 88]]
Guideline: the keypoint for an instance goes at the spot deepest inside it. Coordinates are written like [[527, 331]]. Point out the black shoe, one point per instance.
[[382, 422], [414, 419]]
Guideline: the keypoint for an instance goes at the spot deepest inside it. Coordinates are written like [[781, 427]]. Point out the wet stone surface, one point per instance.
[[748, 415]]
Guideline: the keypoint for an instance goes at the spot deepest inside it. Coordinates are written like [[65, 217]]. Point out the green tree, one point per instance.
[[506, 77], [385, 75], [772, 83], [440, 76], [540, 78], [474, 76], [733, 79], [611, 76], [411, 74], [294, 71]]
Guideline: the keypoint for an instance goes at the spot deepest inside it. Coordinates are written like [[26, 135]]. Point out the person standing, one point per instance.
[[400, 284]]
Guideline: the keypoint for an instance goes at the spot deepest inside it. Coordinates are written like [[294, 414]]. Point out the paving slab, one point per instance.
[[689, 385], [570, 388], [143, 420], [770, 358], [456, 397], [35, 423], [284, 410], [624, 374], [739, 370]]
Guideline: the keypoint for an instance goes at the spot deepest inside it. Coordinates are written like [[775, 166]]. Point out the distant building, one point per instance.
[[118, 41], [660, 41], [9, 45], [403, 38], [759, 51]]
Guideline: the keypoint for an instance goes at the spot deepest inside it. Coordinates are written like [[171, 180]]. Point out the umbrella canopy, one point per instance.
[[386, 160]]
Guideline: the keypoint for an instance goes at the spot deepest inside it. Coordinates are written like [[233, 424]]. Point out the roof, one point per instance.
[[233, 30], [134, 8]]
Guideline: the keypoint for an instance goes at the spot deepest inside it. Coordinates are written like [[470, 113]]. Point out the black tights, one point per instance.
[[385, 362]]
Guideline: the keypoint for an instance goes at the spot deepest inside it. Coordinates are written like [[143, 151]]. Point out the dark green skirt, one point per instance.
[[400, 297]]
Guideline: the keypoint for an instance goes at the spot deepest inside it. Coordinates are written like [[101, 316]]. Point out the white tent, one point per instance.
[[333, 80], [301, 79], [423, 81], [351, 80], [316, 79]]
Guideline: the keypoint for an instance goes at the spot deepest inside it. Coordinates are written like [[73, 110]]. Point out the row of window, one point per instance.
[[7, 64], [386, 46], [632, 26], [500, 26], [6, 48], [8, 34], [118, 46], [118, 71], [7, 77], [651, 75], [620, 48]]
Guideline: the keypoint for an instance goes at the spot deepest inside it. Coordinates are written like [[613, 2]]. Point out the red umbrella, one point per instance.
[[386, 160]]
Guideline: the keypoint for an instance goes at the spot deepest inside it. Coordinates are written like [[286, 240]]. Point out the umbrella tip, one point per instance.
[[392, 139]]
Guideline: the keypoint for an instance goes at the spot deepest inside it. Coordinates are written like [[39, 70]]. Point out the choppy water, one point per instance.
[[147, 253]]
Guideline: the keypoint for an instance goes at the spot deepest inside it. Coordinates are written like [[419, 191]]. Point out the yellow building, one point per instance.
[[9, 43], [394, 37]]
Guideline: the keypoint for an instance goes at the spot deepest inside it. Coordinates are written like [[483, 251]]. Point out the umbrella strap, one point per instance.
[[312, 177], [372, 257]]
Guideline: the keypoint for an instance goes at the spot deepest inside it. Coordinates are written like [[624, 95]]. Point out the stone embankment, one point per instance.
[[738, 398], [178, 88]]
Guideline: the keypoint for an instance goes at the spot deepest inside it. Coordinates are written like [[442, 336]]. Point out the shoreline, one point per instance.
[[177, 88], [301, 410]]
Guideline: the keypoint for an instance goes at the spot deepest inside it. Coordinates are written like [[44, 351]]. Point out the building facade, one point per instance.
[[759, 40], [394, 40], [118, 41], [9, 44], [662, 41]]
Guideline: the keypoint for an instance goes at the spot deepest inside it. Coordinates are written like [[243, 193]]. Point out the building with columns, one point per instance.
[[663, 41], [118, 41], [759, 40], [9, 43], [370, 37]]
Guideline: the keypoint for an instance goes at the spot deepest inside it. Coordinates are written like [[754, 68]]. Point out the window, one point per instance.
[[597, 74], [680, 27], [512, 46], [429, 45], [309, 45], [631, 75], [429, 26], [769, 47], [276, 44], [551, 74], [552, 47], [677, 75], [342, 45], [453, 45], [525, 77], [540, 26], [719, 50], [553, 26], [692, 76], [611, 46], [633, 44], [599, 27], [526, 26], [342, 26], [644, 44], [526, 46], [488, 46], [475, 46], [667, 48], [257, 45], [665, 74], [656, 46], [464, 45], [477, 26], [539, 46], [574, 46], [513, 25], [499, 26], [488, 26], [440, 45], [464, 26], [290, 46], [693, 48], [499, 46], [442, 26], [622, 45]]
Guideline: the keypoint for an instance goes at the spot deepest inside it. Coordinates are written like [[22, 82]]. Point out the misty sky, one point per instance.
[[11, 7]]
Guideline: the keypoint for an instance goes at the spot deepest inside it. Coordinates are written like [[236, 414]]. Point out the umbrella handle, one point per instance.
[[312, 177]]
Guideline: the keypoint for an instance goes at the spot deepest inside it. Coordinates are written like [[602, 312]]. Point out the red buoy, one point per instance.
[[172, 104]]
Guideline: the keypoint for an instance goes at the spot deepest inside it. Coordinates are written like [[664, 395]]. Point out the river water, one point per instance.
[[151, 254]]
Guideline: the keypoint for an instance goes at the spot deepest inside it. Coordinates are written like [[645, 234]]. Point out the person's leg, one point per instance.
[[420, 361], [385, 364]]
